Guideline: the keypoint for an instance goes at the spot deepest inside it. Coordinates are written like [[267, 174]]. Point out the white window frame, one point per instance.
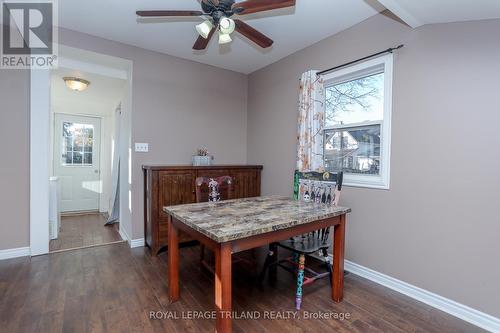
[[380, 64]]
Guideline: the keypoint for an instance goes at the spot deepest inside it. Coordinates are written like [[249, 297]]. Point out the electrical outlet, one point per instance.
[[141, 147]]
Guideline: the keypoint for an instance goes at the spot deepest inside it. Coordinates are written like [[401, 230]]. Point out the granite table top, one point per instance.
[[229, 220]]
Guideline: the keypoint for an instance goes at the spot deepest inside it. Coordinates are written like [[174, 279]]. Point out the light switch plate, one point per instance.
[[141, 147]]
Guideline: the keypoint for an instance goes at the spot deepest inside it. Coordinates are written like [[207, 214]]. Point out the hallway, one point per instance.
[[84, 230]]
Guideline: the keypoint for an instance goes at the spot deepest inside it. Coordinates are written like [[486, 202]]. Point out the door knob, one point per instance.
[[96, 171]]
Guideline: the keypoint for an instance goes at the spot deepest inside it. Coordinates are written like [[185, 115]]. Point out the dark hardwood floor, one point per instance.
[[84, 230], [114, 288]]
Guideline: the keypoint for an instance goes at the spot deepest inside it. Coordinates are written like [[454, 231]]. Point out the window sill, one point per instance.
[[376, 186]]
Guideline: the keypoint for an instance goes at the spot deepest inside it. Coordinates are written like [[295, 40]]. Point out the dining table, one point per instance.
[[231, 226]]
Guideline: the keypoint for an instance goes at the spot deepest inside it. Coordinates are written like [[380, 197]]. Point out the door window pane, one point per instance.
[[67, 129], [89, 142], [77, 144], [68, 158], [87, 158], [77, 157]]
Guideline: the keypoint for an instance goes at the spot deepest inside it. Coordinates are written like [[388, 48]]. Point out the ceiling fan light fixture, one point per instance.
[[227, 25], [218, 15], [204, 28], [224, 38], [76, 84]]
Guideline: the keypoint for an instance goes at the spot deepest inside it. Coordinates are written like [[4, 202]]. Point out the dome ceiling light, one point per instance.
[[76, 84]]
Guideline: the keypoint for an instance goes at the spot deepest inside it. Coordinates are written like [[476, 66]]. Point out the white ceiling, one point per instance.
[[100, 98], [420, 12], [292, 29]]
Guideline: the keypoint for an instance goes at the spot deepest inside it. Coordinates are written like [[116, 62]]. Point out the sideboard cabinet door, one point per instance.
[[246, 183], [176, 188]]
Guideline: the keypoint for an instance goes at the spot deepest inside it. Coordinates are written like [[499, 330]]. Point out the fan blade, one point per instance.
[[252, 34], [254, 6], [157, 13], [201, 43]]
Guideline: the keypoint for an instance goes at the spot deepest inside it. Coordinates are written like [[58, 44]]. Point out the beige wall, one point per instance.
[[178, 105], [14, 159], [438, 226]]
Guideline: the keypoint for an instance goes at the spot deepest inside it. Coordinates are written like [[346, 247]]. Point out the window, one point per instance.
[[78, 144], [358, 122]]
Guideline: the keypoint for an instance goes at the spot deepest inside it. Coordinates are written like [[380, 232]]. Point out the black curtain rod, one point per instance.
[[392, 49]]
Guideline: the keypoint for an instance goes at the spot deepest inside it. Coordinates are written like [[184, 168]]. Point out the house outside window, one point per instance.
[[357, 133]]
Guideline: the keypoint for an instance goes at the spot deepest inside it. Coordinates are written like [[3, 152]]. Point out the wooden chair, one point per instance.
[[212, 190], [217, 189], [314, 244]]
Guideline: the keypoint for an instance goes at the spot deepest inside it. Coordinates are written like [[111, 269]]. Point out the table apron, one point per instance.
[[251, 242], [208, 242]]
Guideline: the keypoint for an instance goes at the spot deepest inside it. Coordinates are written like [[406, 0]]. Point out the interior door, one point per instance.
[[76, 161]]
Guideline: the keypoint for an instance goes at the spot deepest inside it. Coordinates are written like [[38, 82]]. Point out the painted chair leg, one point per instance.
[[300, 281]]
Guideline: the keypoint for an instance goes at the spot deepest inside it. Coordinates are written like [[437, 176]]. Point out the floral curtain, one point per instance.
[[311, 123]]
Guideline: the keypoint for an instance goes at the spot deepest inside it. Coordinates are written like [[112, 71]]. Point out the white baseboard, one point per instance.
[[140, 242], [15, 253], [453, 308], [137, 242], [123, 234]]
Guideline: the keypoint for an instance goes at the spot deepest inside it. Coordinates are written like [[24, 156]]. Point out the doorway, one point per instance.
[[77, 170], [83, 141], [82, 154]]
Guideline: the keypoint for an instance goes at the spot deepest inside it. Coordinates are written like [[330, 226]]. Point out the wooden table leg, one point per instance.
[[223, 288], [173, 261], [338, 260]]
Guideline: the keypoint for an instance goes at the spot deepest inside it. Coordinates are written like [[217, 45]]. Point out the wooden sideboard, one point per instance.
[[175, 185]]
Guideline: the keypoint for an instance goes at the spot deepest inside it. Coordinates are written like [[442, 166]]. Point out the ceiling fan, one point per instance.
[[218, 15]]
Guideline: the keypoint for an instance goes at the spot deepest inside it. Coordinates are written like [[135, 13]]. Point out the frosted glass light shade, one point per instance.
[[204, 28], [224, 38], [227, 25], [76, 84]]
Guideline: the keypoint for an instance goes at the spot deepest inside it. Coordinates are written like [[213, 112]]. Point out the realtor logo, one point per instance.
[[28, 34]]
